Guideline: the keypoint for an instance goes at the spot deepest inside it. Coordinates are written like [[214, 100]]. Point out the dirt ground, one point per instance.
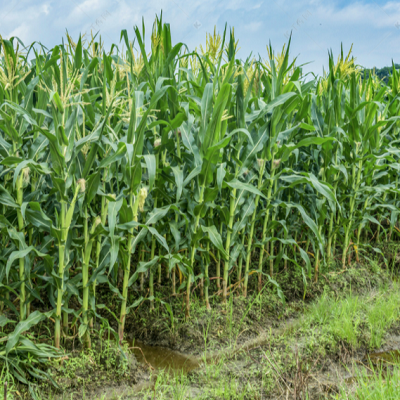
[[249, 348]]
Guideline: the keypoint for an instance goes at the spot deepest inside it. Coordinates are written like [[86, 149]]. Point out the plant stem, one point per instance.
[[22, 296], [266, 219], [193, 251], [151, 273], [240, 264], [127, 269], [61, 258], [352, 202], [228, 244], [251, 234], [85, 278], [206, 279]]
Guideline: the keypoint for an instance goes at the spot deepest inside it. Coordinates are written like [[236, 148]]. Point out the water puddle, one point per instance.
[[376, 358], [385, 356], [161, 358]]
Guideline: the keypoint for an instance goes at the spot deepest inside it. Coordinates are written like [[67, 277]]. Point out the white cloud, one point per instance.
[[22, 31], [46, 9], [316, 25], [253, 26]]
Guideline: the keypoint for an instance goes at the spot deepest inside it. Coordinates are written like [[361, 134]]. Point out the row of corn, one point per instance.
[[131, 167]]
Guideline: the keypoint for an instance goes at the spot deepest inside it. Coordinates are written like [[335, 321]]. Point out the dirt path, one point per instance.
[[255, 348]]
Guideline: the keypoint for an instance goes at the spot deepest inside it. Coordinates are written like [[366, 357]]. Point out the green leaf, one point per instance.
[[178, 173], [114, 157], [22, 327], [192, 175], [78, 54], [95, 146], [235, 184], [4, 321], [215, 238], [159, 238], [143, 267], [286, 150], [150, 160], [92, 185], [37, 217], [6, 198], [15, 255]]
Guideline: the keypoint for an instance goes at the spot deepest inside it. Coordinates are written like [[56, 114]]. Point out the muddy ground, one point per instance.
[[253, 348]]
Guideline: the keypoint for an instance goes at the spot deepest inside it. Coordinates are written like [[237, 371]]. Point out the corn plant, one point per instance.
[[187, 170]]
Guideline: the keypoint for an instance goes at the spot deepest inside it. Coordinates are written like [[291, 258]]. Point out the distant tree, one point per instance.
[[381, 73]]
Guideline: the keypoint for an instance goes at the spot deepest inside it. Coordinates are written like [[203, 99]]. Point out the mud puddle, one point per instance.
[[382, 358], [390, 356], [162, 358]]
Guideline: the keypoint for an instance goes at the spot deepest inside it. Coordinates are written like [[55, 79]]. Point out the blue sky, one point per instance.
[[317, 25]]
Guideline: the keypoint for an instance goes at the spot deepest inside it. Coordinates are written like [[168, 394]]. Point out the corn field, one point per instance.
[[134, 167]]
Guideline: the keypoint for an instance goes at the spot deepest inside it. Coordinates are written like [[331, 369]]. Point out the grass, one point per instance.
[[374, 383], [168, 387], [12, 392], [356, 320], [214, 381], [318, 330]]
